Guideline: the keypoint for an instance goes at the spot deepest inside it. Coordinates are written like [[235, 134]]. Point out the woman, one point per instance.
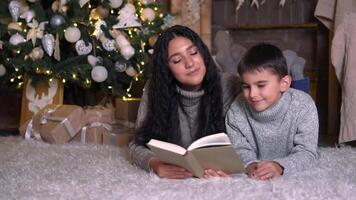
[[185, 99]]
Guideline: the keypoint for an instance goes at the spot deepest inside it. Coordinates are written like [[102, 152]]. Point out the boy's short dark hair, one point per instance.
[[263, 56]]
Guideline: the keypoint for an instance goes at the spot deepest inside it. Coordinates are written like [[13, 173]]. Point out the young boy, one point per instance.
[[273, 127]]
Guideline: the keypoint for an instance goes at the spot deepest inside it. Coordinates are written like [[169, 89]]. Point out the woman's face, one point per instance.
[[186, 63]]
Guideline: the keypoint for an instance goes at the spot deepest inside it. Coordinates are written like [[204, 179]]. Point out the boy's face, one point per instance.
[[263, 89]]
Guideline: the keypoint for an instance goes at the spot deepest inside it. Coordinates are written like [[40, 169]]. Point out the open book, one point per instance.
[[209, 152]]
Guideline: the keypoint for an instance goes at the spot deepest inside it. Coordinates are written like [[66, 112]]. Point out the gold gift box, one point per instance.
[[58, 123], [126, 109], [92, 133], [99, 114]]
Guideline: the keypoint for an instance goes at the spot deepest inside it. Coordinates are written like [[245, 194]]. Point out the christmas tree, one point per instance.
[[96, 44]]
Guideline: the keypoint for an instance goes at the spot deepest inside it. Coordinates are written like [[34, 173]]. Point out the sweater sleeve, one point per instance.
[[237, 129], [141, 155], [304, 152]]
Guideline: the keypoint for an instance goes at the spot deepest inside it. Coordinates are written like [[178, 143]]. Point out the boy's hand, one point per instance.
[[208, 173], [267, 170], [164, 170]]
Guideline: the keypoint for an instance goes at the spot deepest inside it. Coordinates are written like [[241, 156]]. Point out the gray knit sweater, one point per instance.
[[286, 132], [140, 155]]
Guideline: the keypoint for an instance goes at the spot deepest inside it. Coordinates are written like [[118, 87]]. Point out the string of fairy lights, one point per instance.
[[110, 42]]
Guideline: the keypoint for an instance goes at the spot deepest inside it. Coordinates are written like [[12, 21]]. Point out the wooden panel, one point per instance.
[[270, 13], [202, 26]]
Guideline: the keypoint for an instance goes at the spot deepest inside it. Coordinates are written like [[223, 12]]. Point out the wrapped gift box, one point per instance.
[[120, 135], [126, 109], [58, 123], [118, 139], [92, 133], [23, 128], [99, 114], [27, 132]]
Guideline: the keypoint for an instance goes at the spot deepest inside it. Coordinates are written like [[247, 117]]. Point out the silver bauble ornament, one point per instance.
[[16, 39], [120, 67], [82, 48], [131, 71], [2, 70], [72, 34], [109, 45], [57, 21], [115, 3], [15, 9], [36, 53], [99, 74], [48, 43]]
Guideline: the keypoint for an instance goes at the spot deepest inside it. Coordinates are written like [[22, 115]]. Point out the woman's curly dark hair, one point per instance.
[[162, 121]]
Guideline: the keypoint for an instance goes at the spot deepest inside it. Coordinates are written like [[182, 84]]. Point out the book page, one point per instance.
[[210, 140], [219, 158], [167, 146]]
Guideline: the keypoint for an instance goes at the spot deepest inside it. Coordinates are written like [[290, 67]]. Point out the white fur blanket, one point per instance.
[[36, 170]]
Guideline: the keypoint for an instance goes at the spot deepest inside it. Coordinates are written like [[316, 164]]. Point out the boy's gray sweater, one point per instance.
[[286, 132]]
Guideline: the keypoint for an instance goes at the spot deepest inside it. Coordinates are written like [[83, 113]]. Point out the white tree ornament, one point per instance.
[[15, 9], [147, 2], [148, 14], [72, 34], [36, 53], [127, 51], [99, 73], [36, 31], [82, 48], [48, 43], [131, 71], [2, 70], [120, 67], [92, 60], [115, 3], [16, 39], [98, 32], [127, 18], [83, 2], [28, 15]]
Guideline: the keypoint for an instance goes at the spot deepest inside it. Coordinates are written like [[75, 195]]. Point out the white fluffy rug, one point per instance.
[[36, 170]]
